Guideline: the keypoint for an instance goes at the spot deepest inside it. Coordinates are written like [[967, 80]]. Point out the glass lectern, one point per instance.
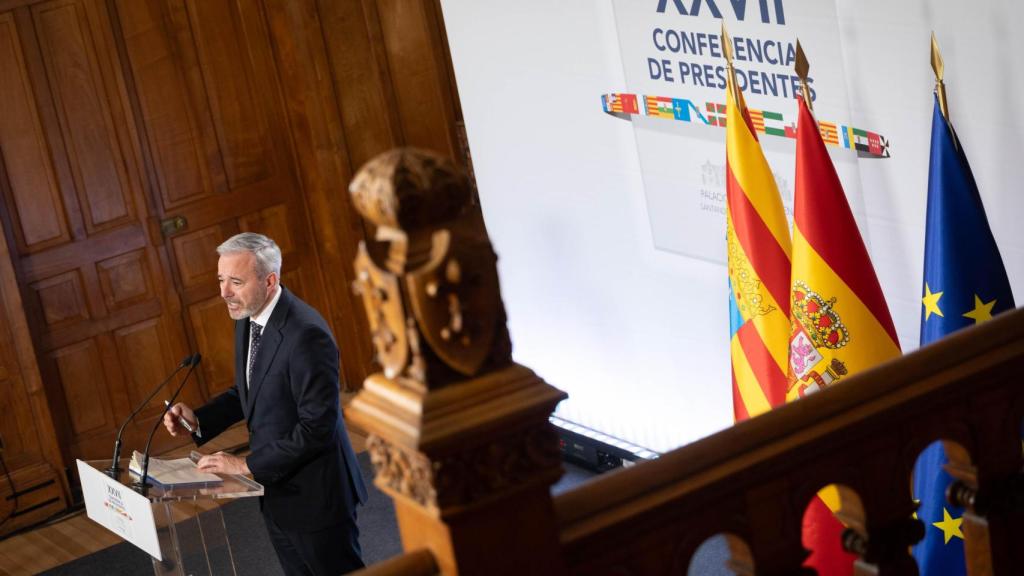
[[180, 526]]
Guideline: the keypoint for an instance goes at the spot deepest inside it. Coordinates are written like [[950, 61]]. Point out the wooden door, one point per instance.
[[105, 326], [218, 152], [28, 444], [214, 117]]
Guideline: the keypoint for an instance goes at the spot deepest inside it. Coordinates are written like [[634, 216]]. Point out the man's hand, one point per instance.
[[223, 463], [171, 419]]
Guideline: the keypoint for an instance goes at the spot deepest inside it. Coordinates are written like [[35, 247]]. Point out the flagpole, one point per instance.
[[802, 67], [727, 48], [940, 86], [759, 246]]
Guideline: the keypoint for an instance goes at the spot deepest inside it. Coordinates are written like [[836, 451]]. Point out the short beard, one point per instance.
[[241, 314], [249, 311]]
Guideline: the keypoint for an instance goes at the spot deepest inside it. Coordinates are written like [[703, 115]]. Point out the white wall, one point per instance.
[[638, 335]]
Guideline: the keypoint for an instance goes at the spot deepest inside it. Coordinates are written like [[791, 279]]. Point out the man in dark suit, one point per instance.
[[286, 388]]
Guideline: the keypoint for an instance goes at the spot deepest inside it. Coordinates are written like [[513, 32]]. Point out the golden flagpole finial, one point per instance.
[[730, 70], [726, 45], [940, 87], [802, 68]]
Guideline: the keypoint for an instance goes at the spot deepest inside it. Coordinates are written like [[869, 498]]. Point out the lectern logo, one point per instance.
[[115, 503]]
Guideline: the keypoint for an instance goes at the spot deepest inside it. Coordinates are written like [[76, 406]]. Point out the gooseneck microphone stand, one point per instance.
[[141, 485], [114, 470]]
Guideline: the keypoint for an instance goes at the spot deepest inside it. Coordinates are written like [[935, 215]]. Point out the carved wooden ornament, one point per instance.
[[383, 302], [455, 300]]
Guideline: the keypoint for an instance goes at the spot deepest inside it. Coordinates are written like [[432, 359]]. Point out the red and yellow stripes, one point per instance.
[[759, 270], [840, 321]]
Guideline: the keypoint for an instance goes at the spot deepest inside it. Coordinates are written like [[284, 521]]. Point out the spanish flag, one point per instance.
[[757, 237], [840, 322]]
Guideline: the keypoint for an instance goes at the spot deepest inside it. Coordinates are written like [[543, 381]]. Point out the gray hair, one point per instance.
[[268, 255]]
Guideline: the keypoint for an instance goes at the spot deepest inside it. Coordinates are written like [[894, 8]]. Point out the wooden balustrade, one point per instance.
[[460, 438], [754, 480]]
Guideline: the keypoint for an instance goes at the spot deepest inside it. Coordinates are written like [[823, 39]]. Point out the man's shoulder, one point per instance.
[[304, 317]]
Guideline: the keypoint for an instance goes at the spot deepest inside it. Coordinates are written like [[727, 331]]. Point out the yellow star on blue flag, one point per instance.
[[931, 302], [950, 526], [982, 311]]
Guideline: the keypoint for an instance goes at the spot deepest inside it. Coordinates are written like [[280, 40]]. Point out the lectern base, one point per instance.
[[193, 540]]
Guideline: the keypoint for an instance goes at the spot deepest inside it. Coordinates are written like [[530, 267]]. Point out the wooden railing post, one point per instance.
[[885, 528], [458, 433], [991, 487], [886, 550], [774, 528]]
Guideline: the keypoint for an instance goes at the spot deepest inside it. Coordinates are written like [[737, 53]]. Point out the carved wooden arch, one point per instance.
[[740, 561], [956, 441], [947, 421], [878, 521], [956, 432], [959, 464], [849, 481], [851, 512], [732, 522]]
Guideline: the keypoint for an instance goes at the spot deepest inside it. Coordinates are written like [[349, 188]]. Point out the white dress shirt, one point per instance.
[[262, 318]]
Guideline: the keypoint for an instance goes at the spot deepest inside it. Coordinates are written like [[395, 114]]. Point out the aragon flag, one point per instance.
[[840, 321], [758, 244], [965, 284]]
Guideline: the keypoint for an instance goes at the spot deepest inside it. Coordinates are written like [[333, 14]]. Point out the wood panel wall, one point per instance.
[[136, 135], [346, 104], [36, 487]]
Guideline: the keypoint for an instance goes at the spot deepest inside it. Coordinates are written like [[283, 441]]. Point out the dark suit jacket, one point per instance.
[[300, 449]]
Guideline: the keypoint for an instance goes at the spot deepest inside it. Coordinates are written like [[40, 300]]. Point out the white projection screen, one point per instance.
[[609, 221]]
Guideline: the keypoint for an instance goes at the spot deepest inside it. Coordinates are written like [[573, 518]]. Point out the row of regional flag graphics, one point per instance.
[[806, 309], [866, 143]]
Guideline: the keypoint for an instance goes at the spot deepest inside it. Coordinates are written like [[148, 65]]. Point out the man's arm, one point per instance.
[[217, 416], [313, 378]]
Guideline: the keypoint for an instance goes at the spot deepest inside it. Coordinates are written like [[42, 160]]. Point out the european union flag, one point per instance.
[[965, 284]]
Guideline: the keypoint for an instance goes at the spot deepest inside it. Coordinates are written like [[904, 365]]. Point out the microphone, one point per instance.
[[141, 485], [114, 471]]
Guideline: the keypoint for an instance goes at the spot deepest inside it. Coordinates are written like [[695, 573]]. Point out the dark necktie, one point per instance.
[[254, 346]]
